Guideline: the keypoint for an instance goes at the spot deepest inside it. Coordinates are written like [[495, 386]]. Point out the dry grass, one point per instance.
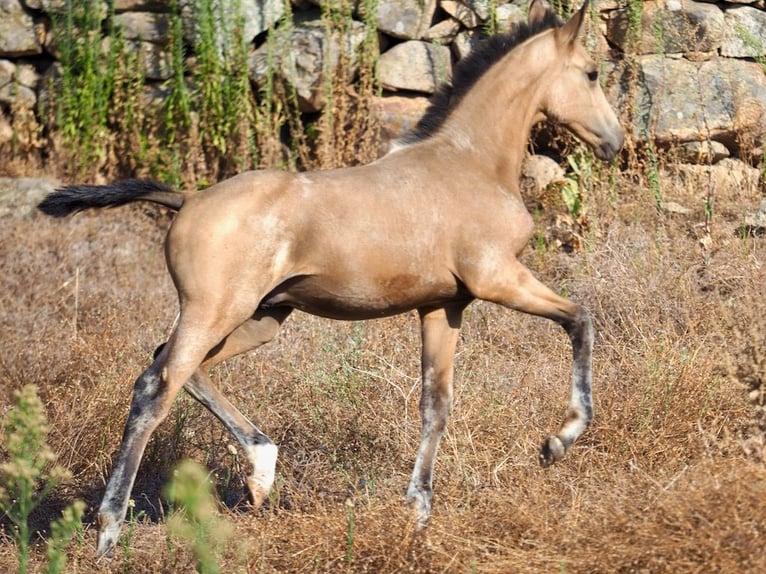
[[670, 478]]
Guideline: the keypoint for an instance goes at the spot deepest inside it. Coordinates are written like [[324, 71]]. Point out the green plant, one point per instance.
[[128, 117], [490, 26], [195, 518], [84, 90], [62, 531], [576, 182], [176, 109], [29, 474], [221, 78], [562, 7], [126, 541], [277, 105], [635, 10]]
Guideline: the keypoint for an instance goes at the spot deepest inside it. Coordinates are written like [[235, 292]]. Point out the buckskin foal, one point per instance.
[[433, 225]]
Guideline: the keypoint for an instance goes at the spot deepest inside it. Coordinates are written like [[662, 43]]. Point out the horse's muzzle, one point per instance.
[[610, 146]]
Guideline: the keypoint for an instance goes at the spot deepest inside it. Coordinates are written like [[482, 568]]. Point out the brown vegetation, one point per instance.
[[670, 478]]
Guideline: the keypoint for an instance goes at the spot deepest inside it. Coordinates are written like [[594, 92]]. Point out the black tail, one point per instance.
[[73, 198]]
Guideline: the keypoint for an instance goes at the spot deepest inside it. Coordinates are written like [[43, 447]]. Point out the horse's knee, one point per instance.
[[149, 405]]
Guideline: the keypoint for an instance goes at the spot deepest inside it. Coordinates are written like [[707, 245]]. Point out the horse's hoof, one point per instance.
[[264, 459], [258, 494], [551, 451], [420, 506], [108, 534]]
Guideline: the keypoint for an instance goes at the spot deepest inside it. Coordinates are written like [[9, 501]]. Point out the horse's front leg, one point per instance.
[[439, 331], [518, 289], [580, 411]]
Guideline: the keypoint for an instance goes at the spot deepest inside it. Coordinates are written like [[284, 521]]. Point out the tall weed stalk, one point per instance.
[[85, 87], [348, 128], [176, 110], [29, 474], [222, 81], [195, 519]]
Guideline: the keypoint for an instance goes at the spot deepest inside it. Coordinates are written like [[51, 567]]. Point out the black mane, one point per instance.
[[470, 69]]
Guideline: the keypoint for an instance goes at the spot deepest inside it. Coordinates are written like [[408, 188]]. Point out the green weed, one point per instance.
[[28, 476], [635, 14], [126, 541], [176, 108], [576, 182], [222, 87], [63, 529], [347, 129], [195, 519], [84, 90]]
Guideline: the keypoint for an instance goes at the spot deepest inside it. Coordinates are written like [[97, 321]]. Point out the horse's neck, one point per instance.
[[496, 117]]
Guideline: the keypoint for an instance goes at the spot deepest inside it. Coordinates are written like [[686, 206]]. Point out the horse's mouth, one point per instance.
[[608, 148]]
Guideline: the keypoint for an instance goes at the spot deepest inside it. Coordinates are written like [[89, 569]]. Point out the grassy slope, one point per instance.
[[667, 480]]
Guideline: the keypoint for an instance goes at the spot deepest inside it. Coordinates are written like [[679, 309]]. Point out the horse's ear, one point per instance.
[[568, 32], [537, 11]]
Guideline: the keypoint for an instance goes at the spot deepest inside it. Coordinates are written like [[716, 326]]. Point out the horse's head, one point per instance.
[[574, 98]]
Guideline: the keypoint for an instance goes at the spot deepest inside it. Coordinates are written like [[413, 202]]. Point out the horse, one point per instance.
[[432, 225]]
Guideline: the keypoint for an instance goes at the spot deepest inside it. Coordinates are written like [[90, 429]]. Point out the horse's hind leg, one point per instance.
[[439, 330], [259, 448], [153, 395]]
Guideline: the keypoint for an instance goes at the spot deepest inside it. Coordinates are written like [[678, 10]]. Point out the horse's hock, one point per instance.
[[680, 71]]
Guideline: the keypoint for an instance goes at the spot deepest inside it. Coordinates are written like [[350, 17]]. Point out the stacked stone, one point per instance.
[[700, 75], [695, 73]]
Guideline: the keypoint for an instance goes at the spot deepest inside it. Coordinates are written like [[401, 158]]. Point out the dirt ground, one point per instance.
[[669, 478]]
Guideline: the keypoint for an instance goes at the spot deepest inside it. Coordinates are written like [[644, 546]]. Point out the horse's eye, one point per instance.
[[593, 75]]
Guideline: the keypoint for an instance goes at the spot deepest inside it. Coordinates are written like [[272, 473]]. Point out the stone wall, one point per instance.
[[696, 72]]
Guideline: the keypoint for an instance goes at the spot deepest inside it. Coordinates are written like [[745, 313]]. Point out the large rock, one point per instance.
[[509, 15], [15, 85], [745, 33], [398, 115], [301, 59], [405, 19], [155, 60], [669, 27], [6, 130], [415, 66], [679, 100], [60, 6], [481, 7], [144, 26], [701, 152], [460, 12], [443, 32], [19, 196], [464, 42], [18, 35], [257, 17], [538, 172], [141, 6]]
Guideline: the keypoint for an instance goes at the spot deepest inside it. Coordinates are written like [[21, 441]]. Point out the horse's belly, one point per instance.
[[363, 299]]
